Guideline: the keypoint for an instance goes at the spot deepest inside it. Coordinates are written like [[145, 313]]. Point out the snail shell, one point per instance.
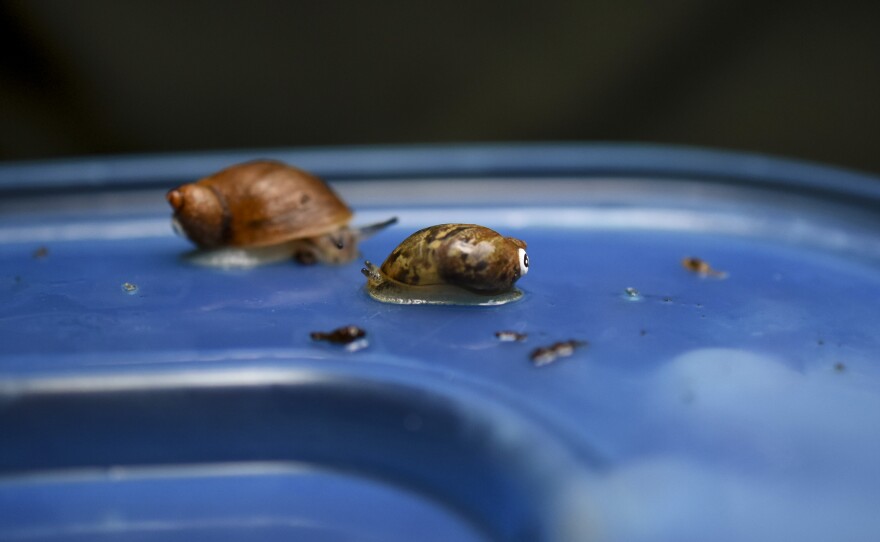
[[450, 264], [257, 204], [269, 210]]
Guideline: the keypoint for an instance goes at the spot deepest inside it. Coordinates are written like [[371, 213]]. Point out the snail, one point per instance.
[[264, 211], [450, 264]]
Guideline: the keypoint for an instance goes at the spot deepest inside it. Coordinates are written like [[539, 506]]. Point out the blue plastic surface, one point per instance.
[[705, 409]]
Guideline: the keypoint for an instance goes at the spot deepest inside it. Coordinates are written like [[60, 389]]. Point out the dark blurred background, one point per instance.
[[96, 77]]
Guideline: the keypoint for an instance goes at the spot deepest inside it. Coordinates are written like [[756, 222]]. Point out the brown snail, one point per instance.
[[264, 211], [456, 264]]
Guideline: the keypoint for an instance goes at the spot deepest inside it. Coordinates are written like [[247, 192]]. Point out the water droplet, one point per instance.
[[631, 294], [129, 287]]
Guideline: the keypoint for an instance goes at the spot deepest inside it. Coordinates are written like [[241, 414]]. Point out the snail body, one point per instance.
[[462, 264], [263, 211]]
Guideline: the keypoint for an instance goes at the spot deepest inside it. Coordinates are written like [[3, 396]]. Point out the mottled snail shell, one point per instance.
[[257, 204], [468, 256]]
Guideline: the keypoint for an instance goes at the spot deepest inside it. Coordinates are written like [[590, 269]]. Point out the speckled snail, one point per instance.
[[264, 211], [455, 264]]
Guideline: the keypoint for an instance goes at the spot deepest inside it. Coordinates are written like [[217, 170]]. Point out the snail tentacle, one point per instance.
[[365, 232], [373, 274]]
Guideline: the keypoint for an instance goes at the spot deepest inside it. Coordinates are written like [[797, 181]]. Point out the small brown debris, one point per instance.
[[41, 252], [342, 335], [702, 268], [548, 354], [511, 336]]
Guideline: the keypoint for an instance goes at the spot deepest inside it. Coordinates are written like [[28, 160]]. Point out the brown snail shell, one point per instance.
[[264, 204], [450, 264], [256, 204]]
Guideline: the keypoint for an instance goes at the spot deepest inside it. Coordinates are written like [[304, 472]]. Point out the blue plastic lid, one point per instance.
[[146, 398]]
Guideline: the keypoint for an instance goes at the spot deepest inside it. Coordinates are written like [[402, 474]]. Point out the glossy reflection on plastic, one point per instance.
[[253, 502], [498, 473]]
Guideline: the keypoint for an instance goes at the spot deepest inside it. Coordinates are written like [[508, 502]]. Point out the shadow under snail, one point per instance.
[[265, 211], [450, 264]]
